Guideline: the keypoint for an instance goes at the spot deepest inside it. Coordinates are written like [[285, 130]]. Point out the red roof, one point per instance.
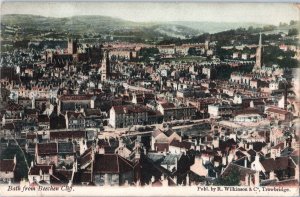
[[7, 165], [167, 105], [67, 134], [183, 144], [75, 97], [47, 148], [111, 163], [130, 109], [280, 163], [277, 110]]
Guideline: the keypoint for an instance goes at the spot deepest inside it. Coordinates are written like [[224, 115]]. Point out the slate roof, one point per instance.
[[170, 159], [242, 171], [66, 147]]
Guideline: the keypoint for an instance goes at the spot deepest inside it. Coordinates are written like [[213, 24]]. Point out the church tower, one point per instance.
[[72, 46], [259, 57], [105, 67]]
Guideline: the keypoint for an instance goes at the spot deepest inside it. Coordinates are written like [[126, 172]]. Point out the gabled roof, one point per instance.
[[156, 133], [35, 170], [71, 114], [169, 132], [242, 171], [111, 163], [170, 159], [279, 163]]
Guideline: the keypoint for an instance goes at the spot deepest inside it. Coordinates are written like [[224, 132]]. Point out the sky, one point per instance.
[[266, 13]]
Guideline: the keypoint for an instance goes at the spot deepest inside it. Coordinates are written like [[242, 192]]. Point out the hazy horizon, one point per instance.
[[161, 12]]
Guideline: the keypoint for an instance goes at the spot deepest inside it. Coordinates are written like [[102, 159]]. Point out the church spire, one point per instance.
[[259, 53], [260, 45]]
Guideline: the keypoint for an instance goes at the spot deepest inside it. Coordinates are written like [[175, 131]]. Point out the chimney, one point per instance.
[[51, 171], [15, 159], [175, 179], [245, 162], [164, 181], [272, 175], [256, 178], [250, 146], [297, 172], [224, 160], [187, 179], [247, 181], [152, 179], [273, 153]]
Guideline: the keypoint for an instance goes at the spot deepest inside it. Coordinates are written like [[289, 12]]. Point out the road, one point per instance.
[[118, 132]]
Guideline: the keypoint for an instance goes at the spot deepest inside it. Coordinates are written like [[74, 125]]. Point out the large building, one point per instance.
[[72, 46], [129, 115]]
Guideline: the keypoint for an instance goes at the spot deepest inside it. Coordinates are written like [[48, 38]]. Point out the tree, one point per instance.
[[292, 22], [293, 32], [232, 179]]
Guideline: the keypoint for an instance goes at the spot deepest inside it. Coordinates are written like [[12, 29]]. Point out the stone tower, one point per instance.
[[105, 67], [72, 46], [259, 57]]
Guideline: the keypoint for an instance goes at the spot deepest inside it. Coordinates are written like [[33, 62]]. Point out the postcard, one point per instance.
[[149, 98]]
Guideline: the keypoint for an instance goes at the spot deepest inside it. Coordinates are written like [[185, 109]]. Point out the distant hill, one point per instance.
[[35, 25], [214, 27], [96, 24]]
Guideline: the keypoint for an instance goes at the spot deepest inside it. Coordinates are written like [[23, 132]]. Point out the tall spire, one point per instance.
[[259, 55], [260, 45]]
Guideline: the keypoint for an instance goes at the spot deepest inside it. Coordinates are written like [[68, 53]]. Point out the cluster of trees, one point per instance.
[[21, 168], [293, 32], [274, 55], [233, 179], [227, 53], [147, 53]]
